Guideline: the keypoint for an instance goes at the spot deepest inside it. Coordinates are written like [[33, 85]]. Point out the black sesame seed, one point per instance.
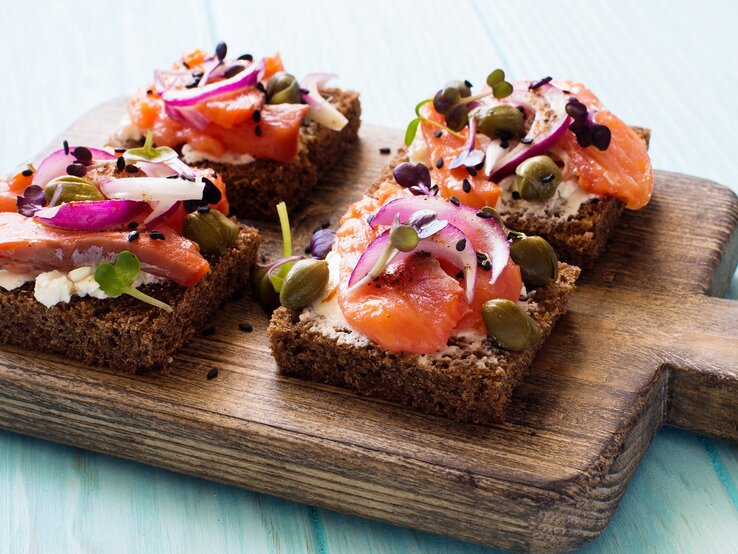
[[184, 63], [256, 116], [76, 170], [260, 87], [65, 144], [247, 57], [157, 235], [130, 168], [504, 144], [26, 173], [466, 186], [212, 374], [232, 71], [526, 140], [210, 193], [82, 154], [454, 201], [246, 327], [133, 235], [460, 275], [120, 163], [471, 171], [221, 50], [193, 82], [461, 245], [486, 265], [438, 134], [175, 176], [258, 130], [203, 209], [132, 225], [120, 150], [439, 163], [208, 331], [385, 150], [191, 205], [149, 92], [434, 190], [308, 250], [468, 84], [515, 195], [540, 83], [485, 214]]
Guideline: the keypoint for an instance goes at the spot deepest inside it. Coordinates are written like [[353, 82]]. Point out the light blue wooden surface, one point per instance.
[[667, 65]]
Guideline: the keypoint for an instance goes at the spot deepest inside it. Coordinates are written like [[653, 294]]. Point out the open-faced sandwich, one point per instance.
[[116, 258], [420, 300], [267, 134], [546, 154]]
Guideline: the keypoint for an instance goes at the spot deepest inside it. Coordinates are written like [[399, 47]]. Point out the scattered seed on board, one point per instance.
[[212, 374], [246, 327]]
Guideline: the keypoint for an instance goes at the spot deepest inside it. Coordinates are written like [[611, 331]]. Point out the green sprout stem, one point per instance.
[[284, 223], [143, 297], [442, 126]]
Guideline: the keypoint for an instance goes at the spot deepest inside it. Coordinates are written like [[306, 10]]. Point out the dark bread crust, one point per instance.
[[579, 239], [254, 189], [124, 333], [470, 384]]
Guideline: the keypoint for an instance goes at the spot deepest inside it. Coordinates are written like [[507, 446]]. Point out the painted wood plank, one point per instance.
[[664, 40]]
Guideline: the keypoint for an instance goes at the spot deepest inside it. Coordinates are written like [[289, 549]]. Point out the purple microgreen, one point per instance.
[[33, 199], [321, 242], [469, 156], [426, 223], [584, 127], [409, 174]]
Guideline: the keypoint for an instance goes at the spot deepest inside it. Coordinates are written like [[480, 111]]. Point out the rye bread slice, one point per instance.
[[471, 382], [578, 239], [254, 189], [124, 333]]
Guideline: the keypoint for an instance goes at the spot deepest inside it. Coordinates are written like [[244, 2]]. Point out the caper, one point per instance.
[[510, 326], [304, 283], [283, 88], [213, 232], [457, 117], [502, 121], [263, 289], [538, 178], [73, 189], [404, 238], [539, 265]]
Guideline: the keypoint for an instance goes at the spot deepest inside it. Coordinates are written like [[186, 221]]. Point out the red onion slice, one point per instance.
[[549, 123], [90, 216], [161, 212], [180, 98], [152, 189], [55, 164], [486, 234], [187, 116], [153, 169], [443, 245], [321, 110], [164, 80]]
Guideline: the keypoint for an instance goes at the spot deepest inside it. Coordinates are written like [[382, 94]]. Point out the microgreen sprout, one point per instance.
[[412, 127], [117, 278], [147, 152], [33, 199], [415, 177]]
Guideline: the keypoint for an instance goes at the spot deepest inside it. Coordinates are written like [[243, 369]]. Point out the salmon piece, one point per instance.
[[11, 189], [30, 247], [273, 64], [623, 170], [450, 181], [144, 110], [193, 59], [230, 109], [395, 310]]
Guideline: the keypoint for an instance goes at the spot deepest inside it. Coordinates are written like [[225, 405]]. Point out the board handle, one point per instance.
[[703, 367]]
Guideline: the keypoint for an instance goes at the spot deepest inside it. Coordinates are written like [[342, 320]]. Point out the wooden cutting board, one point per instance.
[[643, 345]]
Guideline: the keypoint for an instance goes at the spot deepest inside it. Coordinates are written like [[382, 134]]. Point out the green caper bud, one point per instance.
[[73, 189], [213, 232], [304, 283], [404, 238], [501, 122], [539, 265], [263, 289], [510, 326], [538, 178], [283, 88], [446, 98], [457, 117]]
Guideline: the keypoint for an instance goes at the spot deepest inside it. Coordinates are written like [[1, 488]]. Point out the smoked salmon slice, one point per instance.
[[29, 247]]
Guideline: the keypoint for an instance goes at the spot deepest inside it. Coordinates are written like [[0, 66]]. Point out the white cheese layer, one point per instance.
[[127, 131], [53, 287], [191, 156]]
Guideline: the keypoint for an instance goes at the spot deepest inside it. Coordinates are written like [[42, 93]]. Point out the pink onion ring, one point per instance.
[[443, 245], [97, 215], [321, 110], [179, 98], [55, 164], [486, 234]]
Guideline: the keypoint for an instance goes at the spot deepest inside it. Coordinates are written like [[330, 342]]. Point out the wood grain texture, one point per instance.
[[634, 54], [548, 478]]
